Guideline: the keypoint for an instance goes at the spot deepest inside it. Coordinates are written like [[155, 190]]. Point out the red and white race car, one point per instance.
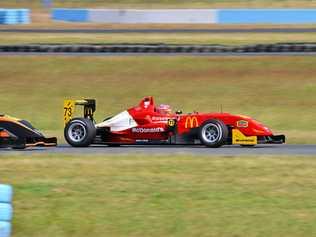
[[150, 124]]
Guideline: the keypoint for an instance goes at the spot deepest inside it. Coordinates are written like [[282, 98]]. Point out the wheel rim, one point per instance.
[[77, 132], [211, 133]]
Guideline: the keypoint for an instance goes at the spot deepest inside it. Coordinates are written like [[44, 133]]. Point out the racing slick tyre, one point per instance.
[[213, 133], [80, 132]]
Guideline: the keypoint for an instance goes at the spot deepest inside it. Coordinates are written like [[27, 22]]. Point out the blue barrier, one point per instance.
[[6, 193], [266, 16], [5, 229], [5, 212], [75, 15], [220, 16], [14, 16]]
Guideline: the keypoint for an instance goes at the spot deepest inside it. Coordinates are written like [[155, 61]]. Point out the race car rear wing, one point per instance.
[[89, 107]]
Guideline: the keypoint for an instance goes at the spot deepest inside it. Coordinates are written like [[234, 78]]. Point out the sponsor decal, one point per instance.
[[147, 130], [244, 140], [69, 107], [171, 122], [241, 139], [242, 124], [154, 118], [191, 122]]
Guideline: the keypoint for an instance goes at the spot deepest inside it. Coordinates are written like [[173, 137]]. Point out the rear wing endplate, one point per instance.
[[89, 107]]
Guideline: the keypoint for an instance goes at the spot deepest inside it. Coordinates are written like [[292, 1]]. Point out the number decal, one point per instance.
[[69, 109]]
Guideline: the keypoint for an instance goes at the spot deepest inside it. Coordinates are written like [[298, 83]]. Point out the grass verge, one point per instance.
[[37, 4], [170, 38], [64, 195]]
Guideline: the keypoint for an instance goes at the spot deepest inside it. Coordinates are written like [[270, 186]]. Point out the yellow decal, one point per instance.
[[171, 123], [69, 109], [240, 139], [191, 122]]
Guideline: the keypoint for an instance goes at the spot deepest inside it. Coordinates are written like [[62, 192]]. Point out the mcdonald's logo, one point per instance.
[[191, 122]]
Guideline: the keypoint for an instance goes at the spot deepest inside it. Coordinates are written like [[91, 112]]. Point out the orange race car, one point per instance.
[[20, 134]]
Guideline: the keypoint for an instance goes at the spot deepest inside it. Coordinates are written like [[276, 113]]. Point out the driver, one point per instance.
[[164, 109]]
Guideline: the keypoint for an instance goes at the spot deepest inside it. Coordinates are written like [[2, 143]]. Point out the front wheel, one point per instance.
[[213, 133], [80, 132]]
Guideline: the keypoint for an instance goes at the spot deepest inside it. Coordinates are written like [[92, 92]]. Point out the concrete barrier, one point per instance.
[[72, 15], [14, 16], [266, 16], [188, 16]]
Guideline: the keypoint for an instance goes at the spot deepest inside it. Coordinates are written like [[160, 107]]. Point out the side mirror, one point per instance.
[[179, 112]]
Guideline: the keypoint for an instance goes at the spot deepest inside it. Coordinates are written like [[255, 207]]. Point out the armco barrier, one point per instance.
[[14, 16], [6, 210], [190, 16], [161, 48]]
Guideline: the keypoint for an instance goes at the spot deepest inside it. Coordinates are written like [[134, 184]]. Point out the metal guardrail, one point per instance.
[[160, 48]]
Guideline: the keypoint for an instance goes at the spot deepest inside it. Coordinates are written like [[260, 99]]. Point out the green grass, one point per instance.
[[198, 38], [57, 195], [162, 4], [279, 91]]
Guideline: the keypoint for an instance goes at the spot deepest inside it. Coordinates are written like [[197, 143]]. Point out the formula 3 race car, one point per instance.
[[19, 134], [150, 124]]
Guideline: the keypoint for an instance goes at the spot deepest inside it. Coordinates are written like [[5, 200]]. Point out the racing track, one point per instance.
[[172, 150]]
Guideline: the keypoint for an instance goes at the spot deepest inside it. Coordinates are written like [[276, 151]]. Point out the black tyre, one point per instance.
[[80, 132], [213, 133]]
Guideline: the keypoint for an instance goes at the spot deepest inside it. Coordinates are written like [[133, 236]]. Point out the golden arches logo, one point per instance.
[[191, 122]]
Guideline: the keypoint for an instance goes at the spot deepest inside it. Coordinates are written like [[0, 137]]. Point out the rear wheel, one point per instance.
[[80, 132], [213, 133]]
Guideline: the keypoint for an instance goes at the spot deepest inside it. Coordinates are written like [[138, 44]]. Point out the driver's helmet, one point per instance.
[[164, 109]]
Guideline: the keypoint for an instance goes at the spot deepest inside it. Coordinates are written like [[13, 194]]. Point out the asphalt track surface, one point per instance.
[[5, 54], [259, 150], [152, 31]]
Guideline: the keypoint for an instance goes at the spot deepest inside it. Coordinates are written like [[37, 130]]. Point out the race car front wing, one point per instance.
[[277, 139]]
